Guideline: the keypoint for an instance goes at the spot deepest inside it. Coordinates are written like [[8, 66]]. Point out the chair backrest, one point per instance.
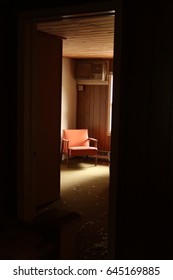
[[76, 137]]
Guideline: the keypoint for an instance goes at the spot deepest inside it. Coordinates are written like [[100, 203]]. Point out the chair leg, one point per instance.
[[96, 161], [68, 159], [62, 149]]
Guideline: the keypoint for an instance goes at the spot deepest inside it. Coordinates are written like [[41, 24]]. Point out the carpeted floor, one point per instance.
[[73, 227], [85, 190]]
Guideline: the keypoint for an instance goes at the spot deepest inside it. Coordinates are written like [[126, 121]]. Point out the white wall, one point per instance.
[[69, 95]]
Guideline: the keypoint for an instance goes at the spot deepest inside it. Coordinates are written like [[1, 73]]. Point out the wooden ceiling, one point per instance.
[[85, 37]]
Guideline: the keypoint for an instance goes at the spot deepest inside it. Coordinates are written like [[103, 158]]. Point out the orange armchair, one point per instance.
[[75, 142]]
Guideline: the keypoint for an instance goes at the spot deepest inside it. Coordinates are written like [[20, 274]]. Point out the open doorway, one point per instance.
[[87, 67], [27, 189]]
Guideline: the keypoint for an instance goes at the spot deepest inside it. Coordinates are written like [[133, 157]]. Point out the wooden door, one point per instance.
[[45, 117]]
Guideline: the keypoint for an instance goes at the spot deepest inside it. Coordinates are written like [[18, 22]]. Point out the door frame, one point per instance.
[[26, 25]]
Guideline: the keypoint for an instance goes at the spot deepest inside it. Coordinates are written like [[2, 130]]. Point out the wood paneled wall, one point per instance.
[[92, 110]]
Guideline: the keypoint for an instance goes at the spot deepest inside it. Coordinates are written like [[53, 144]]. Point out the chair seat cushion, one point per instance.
[[82, 150]]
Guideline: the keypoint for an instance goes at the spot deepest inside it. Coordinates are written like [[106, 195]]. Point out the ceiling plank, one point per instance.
[[88, 37]]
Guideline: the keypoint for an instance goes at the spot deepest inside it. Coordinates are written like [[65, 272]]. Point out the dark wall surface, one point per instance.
[[8, 52], [145, 194]]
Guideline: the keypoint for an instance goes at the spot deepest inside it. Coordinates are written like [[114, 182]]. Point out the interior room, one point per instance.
[[87, 77], [87, 42]]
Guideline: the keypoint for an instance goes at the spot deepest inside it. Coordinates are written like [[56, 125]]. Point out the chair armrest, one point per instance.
[[65, 140], [94, 140]]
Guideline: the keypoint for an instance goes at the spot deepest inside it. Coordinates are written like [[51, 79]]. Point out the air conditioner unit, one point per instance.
[[91, 70]]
